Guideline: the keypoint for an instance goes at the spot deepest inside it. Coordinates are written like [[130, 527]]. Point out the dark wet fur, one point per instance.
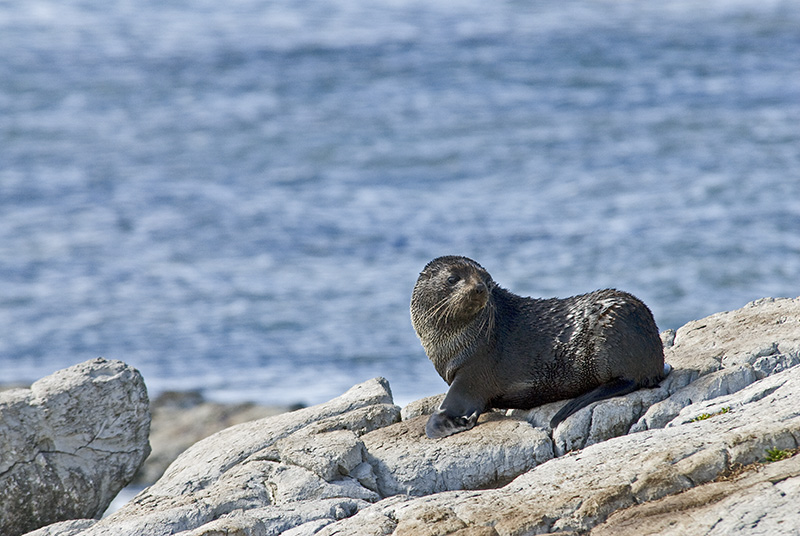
[[518, 352]]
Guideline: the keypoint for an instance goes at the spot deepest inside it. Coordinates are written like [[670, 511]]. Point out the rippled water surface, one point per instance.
[[237, 196]]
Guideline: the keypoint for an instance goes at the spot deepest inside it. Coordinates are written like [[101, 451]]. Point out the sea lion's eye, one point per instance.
[[453, 279]]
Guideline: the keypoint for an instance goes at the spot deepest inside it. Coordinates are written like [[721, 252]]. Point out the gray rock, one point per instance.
[[423, 406], [328, 454], [289, 483], [64, 528], [763, 327], [179, 420], [265, 520], [256, 478], [578, 491], [758, 501], [713, 385], [668, 338], [70, 443], [604, 420], [490, 455], [766, 365]]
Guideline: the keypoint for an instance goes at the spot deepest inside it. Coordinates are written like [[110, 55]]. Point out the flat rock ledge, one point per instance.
[[70, 443], [687, 457]]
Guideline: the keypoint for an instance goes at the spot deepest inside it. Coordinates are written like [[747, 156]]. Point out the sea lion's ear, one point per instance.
[[430, 271]]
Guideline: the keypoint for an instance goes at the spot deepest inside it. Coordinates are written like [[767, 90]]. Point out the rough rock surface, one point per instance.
[[348, 467], [70, 443], [266, 476], [500, 449], [763, 500], [179, 420], [578, 491]]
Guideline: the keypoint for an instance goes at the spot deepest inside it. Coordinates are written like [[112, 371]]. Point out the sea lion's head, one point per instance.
[[453, 314], [449, 294]]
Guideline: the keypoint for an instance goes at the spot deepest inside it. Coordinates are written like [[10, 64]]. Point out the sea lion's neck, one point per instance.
[[451, 347]]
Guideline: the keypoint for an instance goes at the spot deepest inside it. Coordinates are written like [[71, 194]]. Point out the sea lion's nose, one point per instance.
[[480, 288]]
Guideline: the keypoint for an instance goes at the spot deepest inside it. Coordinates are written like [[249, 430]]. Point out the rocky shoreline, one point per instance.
[[180, 419], [709, 451]]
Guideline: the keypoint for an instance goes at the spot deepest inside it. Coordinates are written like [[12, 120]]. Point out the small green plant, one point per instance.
[[704, 416], [775, 454]]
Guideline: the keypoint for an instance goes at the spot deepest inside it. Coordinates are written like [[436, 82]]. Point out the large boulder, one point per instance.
[[70, 443], [694, 444]]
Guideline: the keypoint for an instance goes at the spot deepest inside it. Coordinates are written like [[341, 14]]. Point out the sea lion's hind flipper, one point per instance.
[[617, 387]]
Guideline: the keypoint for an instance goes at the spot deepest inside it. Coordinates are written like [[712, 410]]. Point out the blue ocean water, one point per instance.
[[237, 196]]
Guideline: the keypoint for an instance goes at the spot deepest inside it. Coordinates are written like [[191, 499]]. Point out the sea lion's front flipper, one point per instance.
[[459, 411], [617, 387], [441, 424]]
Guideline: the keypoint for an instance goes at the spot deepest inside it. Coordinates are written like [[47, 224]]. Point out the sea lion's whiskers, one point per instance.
[[488, 321], [433, 312]]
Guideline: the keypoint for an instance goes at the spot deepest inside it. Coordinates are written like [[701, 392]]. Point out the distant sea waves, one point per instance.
[[238, 197]]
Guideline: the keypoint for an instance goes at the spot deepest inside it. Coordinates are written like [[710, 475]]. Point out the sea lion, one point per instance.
[[499, 350]]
